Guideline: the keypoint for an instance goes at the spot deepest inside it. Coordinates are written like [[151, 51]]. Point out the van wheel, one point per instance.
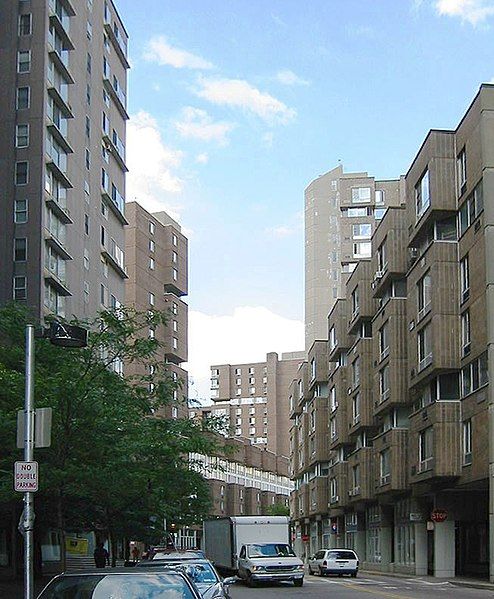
[[299, 582], [354, 574], [250, 583], [321, 573]]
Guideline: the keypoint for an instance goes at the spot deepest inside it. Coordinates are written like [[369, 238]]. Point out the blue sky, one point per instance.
[[236, 105]]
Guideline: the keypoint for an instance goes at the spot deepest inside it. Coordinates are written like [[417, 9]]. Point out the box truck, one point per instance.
[[257, 548]]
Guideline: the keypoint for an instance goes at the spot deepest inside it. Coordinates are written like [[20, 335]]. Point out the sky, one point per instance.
[[236, 105]]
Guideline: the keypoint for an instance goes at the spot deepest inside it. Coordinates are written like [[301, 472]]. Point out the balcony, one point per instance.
[[363, 489], [60, 210], [61, 61], [118, 44], [444, 461], [58, 245], [117, 96], [116, 205], [117, 152], [58, 172], [61, 24], [115, 261], [61, 99], [59, 135], [339, 339], [318, 493], [55, 281], [395, 481]]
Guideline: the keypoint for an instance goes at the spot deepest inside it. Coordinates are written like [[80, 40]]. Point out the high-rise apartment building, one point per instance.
[[392, 444], [62, 170], [157, 263], [253, 399], [341, 213]]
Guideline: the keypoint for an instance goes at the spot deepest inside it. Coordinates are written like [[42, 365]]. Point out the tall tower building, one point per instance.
[[62, 166], [156, 251], [341, 212]]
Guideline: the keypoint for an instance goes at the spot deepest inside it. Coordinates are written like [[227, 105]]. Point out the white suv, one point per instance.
[[334, 561]]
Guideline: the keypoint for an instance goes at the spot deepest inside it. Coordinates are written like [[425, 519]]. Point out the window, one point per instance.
[[333, 402], [467, 441], [422, 195], [424, 295], [385, 466], [355, 212], [424, 342], [103, 235], [174, 308], [361, 195], [103, 295], [151, 298], [88, 94], [471, 208], [22, 136], [25, 24], [175, 274], [383, 341], [23, 95], [356, 408], [426, 447], [89, 30], [20, 249], [474, 375], [379, 213], [174, 240], [382, 260], [333, 428], [356, 372], [151, 227], [21, 173], [175, 325], [174, 257], [151, 264], [464, 280], [87, 155], [355, 302], [86, 224], [105, 180], [379, 196], [20, 211], [151, 245], [88, 63], [384, 383], [86, 259], [362, 249], [461, 171], [362, 231], [20, 288], [356, 477], [23, 61], [465, 332], [175, 343]]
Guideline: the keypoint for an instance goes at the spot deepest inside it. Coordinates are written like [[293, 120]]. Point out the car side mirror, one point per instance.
[[229, 580]]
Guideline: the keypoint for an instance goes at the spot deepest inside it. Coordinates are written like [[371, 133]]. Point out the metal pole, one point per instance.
[[28, 522]]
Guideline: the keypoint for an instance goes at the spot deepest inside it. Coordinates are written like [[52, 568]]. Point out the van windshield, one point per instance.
[[270, 550]]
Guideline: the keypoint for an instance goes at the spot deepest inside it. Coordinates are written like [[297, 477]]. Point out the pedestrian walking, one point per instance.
[[135, 553], [101, 556]]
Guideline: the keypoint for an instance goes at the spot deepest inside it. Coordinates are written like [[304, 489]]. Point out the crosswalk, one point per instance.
[[406, 583]]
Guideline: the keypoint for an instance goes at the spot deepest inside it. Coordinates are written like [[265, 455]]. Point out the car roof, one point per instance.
[[107, 571], [171, 562]]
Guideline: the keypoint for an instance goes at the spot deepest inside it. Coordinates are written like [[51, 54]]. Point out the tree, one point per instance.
[[278, 509], [114, 465]]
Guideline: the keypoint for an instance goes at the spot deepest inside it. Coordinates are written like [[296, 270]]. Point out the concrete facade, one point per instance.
[[341, 212], [157, 263], [253, 399], [399, 470], [62, 171]]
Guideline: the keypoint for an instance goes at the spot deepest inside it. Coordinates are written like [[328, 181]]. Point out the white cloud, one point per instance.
[[198, 124], [241, 94], [202, 158], [247, 335], [152, 178], [472, 11], [295, 225], [287, 77], [159, 50]]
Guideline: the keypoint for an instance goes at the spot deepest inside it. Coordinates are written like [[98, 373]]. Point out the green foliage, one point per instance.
[[114, 464], [278, 509]]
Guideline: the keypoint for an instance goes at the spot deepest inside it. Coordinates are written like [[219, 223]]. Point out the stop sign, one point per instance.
[[438, 515]]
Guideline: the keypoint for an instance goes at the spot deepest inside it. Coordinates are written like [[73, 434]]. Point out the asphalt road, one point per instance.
[[362, 587]]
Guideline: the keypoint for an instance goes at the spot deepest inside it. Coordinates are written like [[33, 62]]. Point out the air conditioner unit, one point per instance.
[[378, 275]]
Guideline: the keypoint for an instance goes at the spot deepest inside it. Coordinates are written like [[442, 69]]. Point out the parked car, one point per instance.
[[128, 583], [200, 571], [334, 561], [177, 555]]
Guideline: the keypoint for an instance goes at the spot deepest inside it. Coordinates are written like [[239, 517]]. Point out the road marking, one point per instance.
[[375, 591]]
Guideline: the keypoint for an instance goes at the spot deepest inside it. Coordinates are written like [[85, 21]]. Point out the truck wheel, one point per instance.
[[250, 582], [299, 582]]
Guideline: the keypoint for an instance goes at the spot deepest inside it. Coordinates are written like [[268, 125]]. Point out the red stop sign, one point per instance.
[[438, 515]]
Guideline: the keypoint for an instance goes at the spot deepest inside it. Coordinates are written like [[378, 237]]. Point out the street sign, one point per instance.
[[305, 538], [42, 427], [439, 515], [26, 477]]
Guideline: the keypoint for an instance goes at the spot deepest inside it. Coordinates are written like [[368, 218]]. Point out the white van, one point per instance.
[[334, 561]]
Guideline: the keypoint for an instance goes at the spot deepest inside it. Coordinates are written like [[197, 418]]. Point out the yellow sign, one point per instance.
[[76, 546]]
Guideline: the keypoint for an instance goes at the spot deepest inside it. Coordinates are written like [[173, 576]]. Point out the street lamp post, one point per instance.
[[64, 336]]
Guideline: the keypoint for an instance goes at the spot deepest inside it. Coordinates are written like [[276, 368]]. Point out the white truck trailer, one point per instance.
[[257, 548]]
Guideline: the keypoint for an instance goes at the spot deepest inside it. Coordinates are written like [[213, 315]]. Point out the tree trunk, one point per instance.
[[61, 529]]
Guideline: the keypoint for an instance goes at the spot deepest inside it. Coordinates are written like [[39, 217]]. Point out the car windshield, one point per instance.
[[199, 572], [114, 586], [341, 555], [270, 550]]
